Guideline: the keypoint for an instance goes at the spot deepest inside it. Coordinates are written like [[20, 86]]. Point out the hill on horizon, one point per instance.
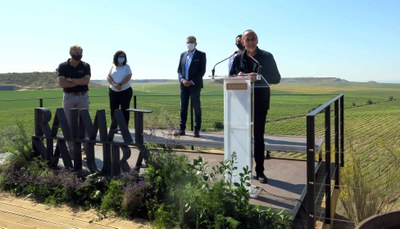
[[31, 80], [47, 80]]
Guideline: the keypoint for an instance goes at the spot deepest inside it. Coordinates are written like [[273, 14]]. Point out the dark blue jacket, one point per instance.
[[197, 68]]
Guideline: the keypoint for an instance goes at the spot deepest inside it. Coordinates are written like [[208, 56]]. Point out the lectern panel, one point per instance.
[[237, 122]]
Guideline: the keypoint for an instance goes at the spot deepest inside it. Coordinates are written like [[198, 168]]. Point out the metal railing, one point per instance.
[[319, 176]]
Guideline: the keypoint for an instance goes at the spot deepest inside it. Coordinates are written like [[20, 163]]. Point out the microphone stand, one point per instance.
[[259, 76], [213, 70]]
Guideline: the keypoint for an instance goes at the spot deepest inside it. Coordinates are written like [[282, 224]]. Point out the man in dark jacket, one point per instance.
[[191, 69], [255, 62]]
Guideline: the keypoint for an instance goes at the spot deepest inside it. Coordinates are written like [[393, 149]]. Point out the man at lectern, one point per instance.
[[191, 69], [252, 62]]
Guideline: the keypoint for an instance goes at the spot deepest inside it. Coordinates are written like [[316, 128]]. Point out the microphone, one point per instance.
[[213, 70], [255, 61], [259, 76]]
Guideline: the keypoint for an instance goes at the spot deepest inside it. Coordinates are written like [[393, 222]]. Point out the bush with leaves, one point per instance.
[[174, 192], [198, 196]]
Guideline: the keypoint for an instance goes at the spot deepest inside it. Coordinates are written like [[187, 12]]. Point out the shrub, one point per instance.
[[112, 198], [196, 196], [364, 196], [218, 125], [174, 192]]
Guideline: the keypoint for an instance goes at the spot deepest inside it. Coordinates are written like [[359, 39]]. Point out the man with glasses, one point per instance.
[[191, 69], [74, 77], [254, 61]]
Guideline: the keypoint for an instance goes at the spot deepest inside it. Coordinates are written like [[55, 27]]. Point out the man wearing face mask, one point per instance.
[[239, 45], [74, 77], [191, 69]]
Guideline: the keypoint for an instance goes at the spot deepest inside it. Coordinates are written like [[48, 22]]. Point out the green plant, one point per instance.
[[218, 125], [112, 198], [14, 139], [365, 195], [198, 196]]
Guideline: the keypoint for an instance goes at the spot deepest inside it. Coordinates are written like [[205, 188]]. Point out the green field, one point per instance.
[[289, 103], [372, 120]]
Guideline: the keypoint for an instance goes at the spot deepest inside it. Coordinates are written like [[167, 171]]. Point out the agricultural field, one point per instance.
[[372, 122], [290, 102]]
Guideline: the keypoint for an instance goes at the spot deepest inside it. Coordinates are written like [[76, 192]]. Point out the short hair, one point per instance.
[[75, 47], [191, 37], [240, 36], [115, 59]]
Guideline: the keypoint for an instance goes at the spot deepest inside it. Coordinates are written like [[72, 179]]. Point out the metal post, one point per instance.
[[337, 172], [41, 102], [139, 141], [191, 116], [328, 165], [310, 171], [342, 130]]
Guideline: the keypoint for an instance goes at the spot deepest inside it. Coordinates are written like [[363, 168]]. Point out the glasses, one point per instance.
[[250, 39]]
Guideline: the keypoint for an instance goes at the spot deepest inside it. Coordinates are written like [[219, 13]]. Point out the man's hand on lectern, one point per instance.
[[252, 76]]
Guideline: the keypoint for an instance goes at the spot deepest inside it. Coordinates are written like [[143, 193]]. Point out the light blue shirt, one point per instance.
[[189, 59], [230, 62]]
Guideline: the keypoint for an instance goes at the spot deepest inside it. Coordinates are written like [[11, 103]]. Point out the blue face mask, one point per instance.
[[121, 60]]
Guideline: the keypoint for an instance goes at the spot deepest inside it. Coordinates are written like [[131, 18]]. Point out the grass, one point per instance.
[[372, 121]]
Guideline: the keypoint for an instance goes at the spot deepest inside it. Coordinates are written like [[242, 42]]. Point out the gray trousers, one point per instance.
[[74, 101]]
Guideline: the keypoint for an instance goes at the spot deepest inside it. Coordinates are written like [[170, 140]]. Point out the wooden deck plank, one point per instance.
[[216, 140]]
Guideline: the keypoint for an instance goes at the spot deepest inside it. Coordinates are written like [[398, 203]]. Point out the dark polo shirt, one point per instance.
[[69, 71]]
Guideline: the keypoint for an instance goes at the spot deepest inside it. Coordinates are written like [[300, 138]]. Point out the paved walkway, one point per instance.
[[21, 213]]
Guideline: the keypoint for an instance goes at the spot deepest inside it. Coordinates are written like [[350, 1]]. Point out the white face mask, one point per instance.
[[190, 46]]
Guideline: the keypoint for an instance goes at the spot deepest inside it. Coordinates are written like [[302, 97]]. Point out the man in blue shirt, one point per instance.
[[191, 69]]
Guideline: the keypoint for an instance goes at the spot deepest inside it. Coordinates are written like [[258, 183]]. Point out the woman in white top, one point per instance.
[[120, 90]]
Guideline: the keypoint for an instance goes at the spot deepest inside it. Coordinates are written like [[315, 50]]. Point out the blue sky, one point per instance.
[[357, 40]]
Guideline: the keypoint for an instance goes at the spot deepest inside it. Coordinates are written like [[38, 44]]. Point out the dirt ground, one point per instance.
[[24, 213]]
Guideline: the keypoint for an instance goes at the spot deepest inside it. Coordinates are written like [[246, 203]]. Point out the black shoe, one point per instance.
[[196, 133], [179, 133], [262, 178]]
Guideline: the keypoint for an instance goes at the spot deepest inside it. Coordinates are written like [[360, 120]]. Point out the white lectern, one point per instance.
[[238, 122]]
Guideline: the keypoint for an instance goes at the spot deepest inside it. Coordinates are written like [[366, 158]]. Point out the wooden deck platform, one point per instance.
[[216, 140], [286, 185]]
